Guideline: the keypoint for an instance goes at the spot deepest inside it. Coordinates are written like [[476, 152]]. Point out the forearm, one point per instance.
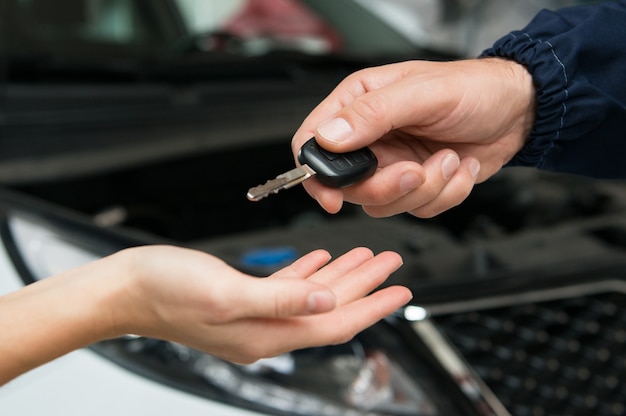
[[578, 63], [52, 317]]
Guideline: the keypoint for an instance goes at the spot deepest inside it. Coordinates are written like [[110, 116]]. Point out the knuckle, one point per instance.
[[430, 210], [384, 195], [371, 108], [344, 331], [221, 315], [436, 207], [424, 212], [251, 353], [284, 304], [377, 211], [372, 195], [342, 339]]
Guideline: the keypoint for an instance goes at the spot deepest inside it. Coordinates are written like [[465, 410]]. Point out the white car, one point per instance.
[[133, 375], [126, 122]]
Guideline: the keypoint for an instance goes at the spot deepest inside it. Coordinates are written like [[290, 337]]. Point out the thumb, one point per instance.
[[367, 118], [268, 298]]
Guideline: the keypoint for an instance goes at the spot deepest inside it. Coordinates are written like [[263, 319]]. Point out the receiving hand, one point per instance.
[[198, 300]]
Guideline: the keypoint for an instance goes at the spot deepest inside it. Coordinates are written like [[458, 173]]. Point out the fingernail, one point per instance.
[[321, 301], [474, 167], [450, 164], [335, 130], [410, 181]]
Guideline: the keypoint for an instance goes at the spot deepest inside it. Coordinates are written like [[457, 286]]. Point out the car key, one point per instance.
[[336, 170]]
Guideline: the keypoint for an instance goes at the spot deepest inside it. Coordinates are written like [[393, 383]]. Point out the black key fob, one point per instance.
[[338, 170]]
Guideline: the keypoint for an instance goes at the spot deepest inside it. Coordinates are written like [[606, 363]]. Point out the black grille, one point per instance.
[[558, 357]]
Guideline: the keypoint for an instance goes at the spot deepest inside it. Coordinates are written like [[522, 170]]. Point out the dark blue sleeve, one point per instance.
[[577, 58]]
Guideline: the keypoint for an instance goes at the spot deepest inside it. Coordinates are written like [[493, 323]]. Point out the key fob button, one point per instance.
[[329, 155], [342, 164], [359, 158]]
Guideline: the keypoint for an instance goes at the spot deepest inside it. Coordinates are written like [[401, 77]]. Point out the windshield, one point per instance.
[[166, 28], [257, 26], [105, 30]]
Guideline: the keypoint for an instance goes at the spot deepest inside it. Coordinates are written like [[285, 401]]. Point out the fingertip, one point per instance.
[[474, 167], [396, 260], [361, 252], [322, 253], [449, 165], [399, 295], [332, 207], [393, 256], [389, 299], [331, 202], [403, 293]]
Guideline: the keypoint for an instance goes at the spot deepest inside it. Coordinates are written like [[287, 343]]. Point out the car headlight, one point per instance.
[[375, 374], [45, 252]]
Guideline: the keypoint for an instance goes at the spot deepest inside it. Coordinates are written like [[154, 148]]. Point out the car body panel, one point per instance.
[[84, 382]]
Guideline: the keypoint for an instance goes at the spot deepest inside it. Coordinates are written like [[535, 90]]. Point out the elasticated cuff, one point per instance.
[[550, 79]]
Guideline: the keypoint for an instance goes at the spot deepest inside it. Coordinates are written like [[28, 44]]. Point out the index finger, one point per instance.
[[350, 88]]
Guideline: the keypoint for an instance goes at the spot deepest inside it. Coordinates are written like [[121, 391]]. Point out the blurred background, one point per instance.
[[126, 122]]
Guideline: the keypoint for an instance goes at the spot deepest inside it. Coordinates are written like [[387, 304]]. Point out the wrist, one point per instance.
[[115, 279], [96, 294], [519, 104], [527, 95]]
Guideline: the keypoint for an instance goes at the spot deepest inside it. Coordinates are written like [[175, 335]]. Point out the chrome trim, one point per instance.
[[565, 292], [484, 400]]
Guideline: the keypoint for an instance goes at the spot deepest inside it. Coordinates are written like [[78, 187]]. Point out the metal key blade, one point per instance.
[[282, 181]]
